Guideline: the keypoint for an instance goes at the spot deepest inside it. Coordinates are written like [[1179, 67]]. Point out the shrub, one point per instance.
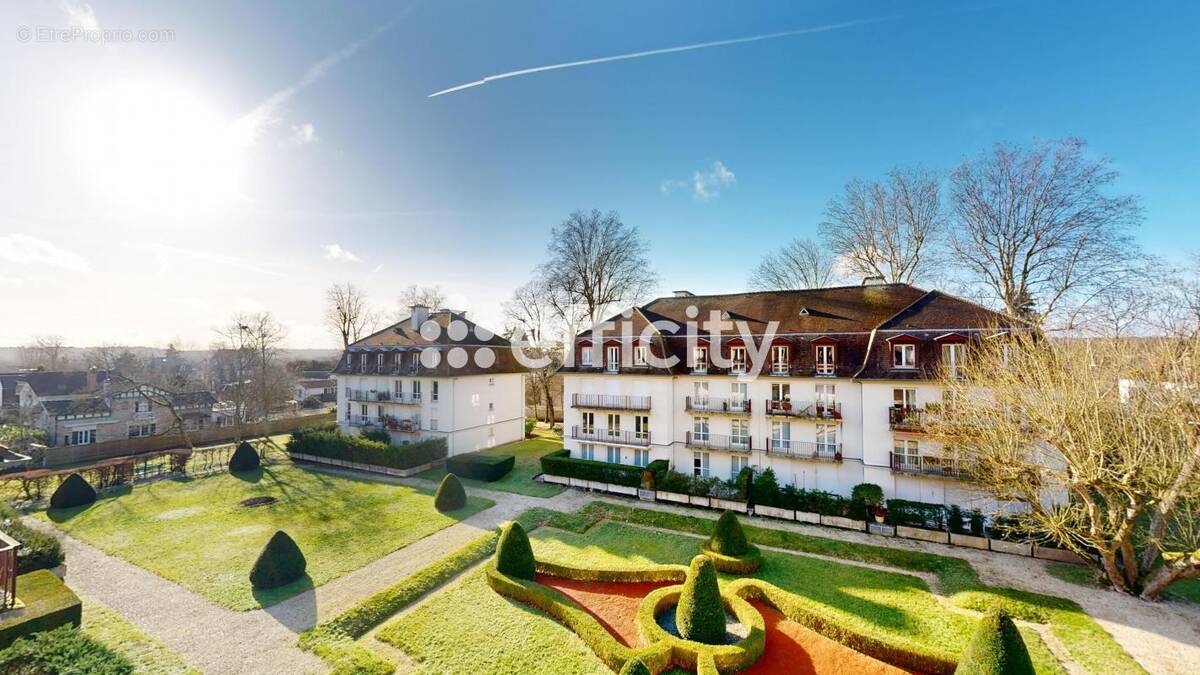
[[514, 555], [916, 514], [38, 550], [450, 494], [700, 614], [74, 491], [635, 667], [379, 435], [977, 522], [62, 650], [48, 605], [332, 443], [728, 538], [996, 648], [954, 521], [244, 458], [868, 493], [280, 563], [811, 501], [481, 467], [766, 489], [530, 423], [560, 463]]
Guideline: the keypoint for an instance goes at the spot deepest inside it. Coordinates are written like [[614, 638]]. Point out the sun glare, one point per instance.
[[160, 148]]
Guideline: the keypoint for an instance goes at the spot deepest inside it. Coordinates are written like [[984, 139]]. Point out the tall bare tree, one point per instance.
[[265, 338], [533, 321], [594, 260], [888, 228], [347, 314], [1112, 425], [803, 263], [45, 351], [430, 296], [1036, 231], [246, 362]]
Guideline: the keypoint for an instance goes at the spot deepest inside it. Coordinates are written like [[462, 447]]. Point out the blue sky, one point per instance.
[[339, 142]]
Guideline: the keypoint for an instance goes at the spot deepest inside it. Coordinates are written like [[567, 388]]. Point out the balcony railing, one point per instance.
[[383, 396], [611, 436], [391, 423], [723, 442], [823, 452], [821, 410], [921, 465], [733, 406], [908, 419], [610, 402]]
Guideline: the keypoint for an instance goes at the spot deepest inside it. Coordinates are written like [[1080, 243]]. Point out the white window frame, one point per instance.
[[585, 355], [587, 422], [827, 437], [736, 464], [904, 355], [700, 359], [612, 454], [641, 427], [701, 464], [614, 424], [904, 397], [737, 360], [700, 428], [433, 395], [639, 355], [612, 358], [779, 359], [700, 394], [781, 391], [416, 390], [739, 433], [825, 357], [953, 355], [587, 451], [641, 457]]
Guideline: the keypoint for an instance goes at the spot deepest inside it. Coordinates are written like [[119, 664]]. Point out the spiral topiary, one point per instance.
[[74, 491], [728, 538], [996, 648], [700, 614], [281, 562], [244, 458], [450, 494], [514, 555]]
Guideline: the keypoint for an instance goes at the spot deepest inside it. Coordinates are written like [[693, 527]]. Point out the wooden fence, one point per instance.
[[132, 447], [8, 571]]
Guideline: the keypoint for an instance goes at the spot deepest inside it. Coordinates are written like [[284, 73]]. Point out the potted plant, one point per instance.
[[786, 404], [872, 496], [837, 456]]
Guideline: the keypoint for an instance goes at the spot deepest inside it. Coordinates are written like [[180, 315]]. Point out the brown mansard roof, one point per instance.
[[858, 320], [401, 338]]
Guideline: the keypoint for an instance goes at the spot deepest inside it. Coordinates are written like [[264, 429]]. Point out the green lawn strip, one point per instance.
[[1089, 644], [520, 480], [147, 654], [196, 533]]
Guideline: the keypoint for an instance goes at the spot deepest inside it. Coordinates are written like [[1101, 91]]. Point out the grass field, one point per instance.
[[1183, 591], [520, 479], [147, 654], [194, 532]]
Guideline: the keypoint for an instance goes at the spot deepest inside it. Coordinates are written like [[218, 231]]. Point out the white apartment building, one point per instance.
[[849, 377], [434, 373]]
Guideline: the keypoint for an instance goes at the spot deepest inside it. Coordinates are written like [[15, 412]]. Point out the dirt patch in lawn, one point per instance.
[[615, 606], [793, 649], [258, 501]]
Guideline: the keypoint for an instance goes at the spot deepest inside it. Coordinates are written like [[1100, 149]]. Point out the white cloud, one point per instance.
[[22, 249], [704, 184], [303, 134], [80, 14], [336, 252]]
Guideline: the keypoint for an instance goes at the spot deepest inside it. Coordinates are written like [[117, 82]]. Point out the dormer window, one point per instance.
[[953, 355], [700, 360], [639, 355], [362, 362], [612, 358], [585, 354], [379, 361], [904, 355], [737, 360], [824, 356], [415, 361], [779, 360]]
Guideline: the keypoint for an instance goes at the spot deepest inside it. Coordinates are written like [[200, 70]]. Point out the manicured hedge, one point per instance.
[[514, 555], [728, 538], [62, 650], [38, 550], [996, 648], [700, 614], [279, 564], [74, 491], [48, 604], [332, 443], [450, 495], [479, 466], [560, 463], [655, 574], [916, 514], [244, 458], [705, 659]]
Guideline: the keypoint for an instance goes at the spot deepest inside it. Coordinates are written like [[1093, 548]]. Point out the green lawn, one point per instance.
[[520, 479], [147, 654], [194, 532], [1184, 591]]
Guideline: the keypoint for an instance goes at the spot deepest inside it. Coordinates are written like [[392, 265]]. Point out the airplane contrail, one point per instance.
[[667, 50]]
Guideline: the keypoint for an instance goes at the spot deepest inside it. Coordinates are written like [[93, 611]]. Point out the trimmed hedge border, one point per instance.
[[478, 466], [560, 463], [703, 657], [651, 574], [48, 604], [747, 563], [335, 445]]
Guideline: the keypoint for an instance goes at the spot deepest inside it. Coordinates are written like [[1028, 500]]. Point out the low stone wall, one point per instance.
[[1057, 555], [920, 534], [844, 523], [1011, 547]]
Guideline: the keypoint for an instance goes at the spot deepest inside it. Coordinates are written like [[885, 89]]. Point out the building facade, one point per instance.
[[847, 378], [433, 374]]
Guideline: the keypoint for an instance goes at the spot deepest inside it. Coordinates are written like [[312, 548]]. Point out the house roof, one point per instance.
[[65, 383], [448, 333], [316, 384], [91, 405]]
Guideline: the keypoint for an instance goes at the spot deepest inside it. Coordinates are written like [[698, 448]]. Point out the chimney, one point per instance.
[[684, 294], [875, 280], [419, 314]]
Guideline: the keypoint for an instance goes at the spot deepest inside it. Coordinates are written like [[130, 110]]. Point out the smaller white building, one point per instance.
[[433, 374]]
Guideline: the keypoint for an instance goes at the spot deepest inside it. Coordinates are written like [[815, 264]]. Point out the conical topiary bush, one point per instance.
[[280, 563], [450, 494], [700, 614], [728, 538], [514, 555], [996, 648], [244, 458], [635, 667], [74, 491]]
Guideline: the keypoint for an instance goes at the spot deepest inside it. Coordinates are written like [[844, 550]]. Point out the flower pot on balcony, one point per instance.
[[786, 406], [837, 456]]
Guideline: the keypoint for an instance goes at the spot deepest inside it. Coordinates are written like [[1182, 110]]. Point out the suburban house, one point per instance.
[[435, 373], [324, 389], [95, 406], [850, 376]]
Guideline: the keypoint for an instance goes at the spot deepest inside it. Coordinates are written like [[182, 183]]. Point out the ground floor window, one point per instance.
[[86, 437], [587, 451], [614, 455], [142, 430], [700, 464], [641, 458], [736, 466]]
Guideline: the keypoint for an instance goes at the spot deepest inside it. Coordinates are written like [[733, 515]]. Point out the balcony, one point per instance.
[[400, 424], [722, 442], [374, 396], [610, 402], [709, 405], [937, 467], [817, 410], [821, 452], [613, 436], [912, 420]]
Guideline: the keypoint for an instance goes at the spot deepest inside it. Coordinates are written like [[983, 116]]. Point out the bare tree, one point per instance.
[[346, 312], [1179, 314], [1036, 232], [115, 361], [1109, 424], [593, 261], [1137, 306], [803, 263], [45, 351], [264, 337], [534, 322], [430, 296], [887, 228]]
